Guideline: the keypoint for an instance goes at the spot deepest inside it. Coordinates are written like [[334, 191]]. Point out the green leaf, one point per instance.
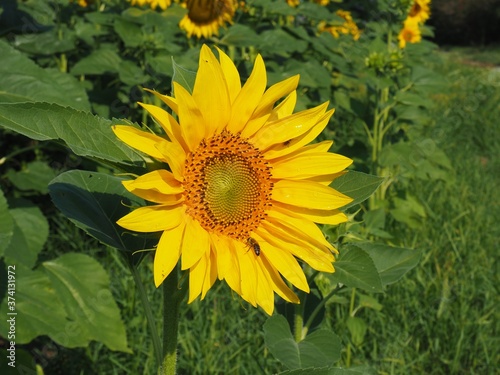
[[355, 268], [67, 299], [320, 348], [33, 176], [56, 40], [391, 262], [39, 305], [83, 286], [357, 328], [24, 81], [103, 60], [357, 185], [31, 231], [85, 134], [94, 202], [182, 76], [6, 224], [129, 32], [240, 36], [131, 74]]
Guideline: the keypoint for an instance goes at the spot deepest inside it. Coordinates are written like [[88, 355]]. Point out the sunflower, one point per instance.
[[293, 3], [410, 33], [243, 190], [204, 17], [163, 4], [420, 10], [348, 27]]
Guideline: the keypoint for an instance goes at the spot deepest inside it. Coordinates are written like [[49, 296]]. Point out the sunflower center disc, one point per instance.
[[227, 185]]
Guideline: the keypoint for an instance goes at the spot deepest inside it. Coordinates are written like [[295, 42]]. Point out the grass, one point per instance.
[[442, 318]]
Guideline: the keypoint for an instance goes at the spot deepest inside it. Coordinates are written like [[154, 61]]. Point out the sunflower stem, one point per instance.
[[171, 299], [298, 322], [149, 313]]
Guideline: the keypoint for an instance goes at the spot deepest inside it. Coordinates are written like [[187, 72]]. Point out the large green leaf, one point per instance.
[[35, 176], [94, 202], [24, 81], [6, 224], [39, 306], [31, 231], [355, 268], [67, 299], [83, 286], [357, 185], [391, 262], [320, 348], [85, 134], [103, 60]]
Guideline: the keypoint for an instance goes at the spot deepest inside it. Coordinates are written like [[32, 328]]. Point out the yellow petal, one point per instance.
[[158, 186], [248, 98], [167, 253], [275, 92], [254, 125], [153, 218], [279, 285], [248, 273], [332, 217], [231, 74], [195, 244], [310, 165], [293, 144], [210, 92], [323, 146], [140, 140], [300, 231], [316, 258], [286, 264], [210, 275], [308, 194], [167, 122], [168, 100], [175, 156], [197, 275], [285, 108], [265, 293], [192, 123], [227, 263], [288, 127], [160, 180]]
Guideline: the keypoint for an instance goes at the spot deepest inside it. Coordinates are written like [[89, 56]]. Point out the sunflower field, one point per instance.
[[246, 187]]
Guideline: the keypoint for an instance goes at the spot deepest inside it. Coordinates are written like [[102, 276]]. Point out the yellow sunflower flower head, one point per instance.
[[204, 17], [420, 10], [244, 187], [163, 4], [293, 3], [348, 27], [410, 33]]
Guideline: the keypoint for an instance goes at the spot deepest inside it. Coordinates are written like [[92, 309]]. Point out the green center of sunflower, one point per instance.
[[227, 185]]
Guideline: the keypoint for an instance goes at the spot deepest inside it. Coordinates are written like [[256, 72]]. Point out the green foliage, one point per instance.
[[425, 143], [95, 202], [320, 348]]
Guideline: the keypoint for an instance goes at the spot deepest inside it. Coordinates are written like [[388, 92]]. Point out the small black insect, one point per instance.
[[253, 244]]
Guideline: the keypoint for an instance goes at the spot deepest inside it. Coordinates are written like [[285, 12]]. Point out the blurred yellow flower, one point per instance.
[[204, 17], [410, 33], [348, 27], [245, 188], [163, 4], [420, 10], [322, 2], [293, 3]]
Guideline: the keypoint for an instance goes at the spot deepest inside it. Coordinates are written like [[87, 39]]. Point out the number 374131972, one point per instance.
[[11, 281]]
